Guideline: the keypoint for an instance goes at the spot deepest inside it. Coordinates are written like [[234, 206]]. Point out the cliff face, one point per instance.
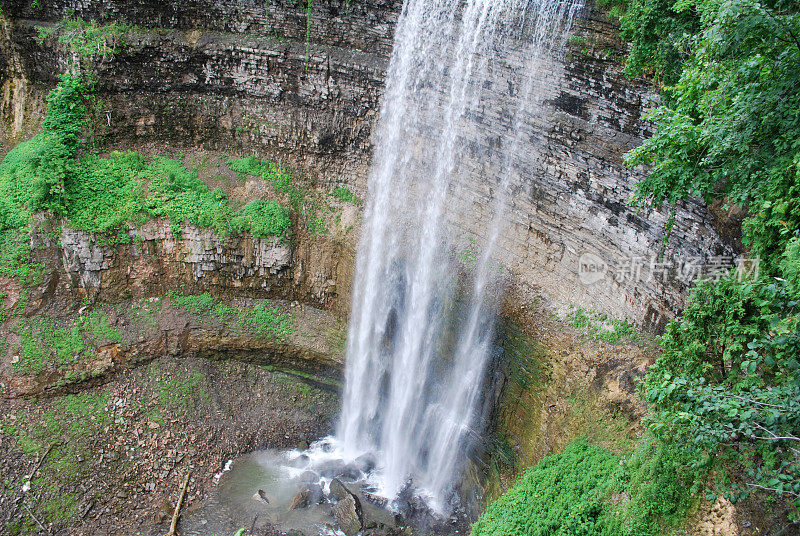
[[242, 77]]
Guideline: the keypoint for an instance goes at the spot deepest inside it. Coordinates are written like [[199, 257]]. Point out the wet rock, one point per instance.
[[330, 468], [377, 500], [349, 472], [308, 496], [338, 491], [365, 463], [309, 477], [347, 513], [260, 496], [301, 500]]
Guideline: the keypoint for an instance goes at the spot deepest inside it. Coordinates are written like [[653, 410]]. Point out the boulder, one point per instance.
[[338, 491], [365, 463], [309, 477], [347, 513], [307, 496]]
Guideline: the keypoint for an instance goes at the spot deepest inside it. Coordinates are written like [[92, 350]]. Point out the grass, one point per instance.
[[600, 326], [262, 318], [49, 344]]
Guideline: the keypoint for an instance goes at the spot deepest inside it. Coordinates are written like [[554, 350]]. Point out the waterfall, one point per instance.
[[421, 330]]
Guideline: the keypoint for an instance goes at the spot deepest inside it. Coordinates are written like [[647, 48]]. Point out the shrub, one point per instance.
[[586, 490], [263, 219], [560, 496]]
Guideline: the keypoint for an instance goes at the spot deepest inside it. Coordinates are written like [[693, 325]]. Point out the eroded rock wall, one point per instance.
[[243, 77], [149, 261]]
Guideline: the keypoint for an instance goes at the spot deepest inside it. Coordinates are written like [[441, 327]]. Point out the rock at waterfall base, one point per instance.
[[260, 496], [348, 515]]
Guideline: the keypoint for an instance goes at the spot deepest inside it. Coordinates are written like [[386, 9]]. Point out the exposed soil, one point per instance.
[[119, 468]]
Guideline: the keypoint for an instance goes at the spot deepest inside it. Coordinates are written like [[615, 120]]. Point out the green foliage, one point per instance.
[[662, 481], [15, 257], [104, 194], [600, 326], [660, 32], [264, 219], [86, 39], [268, 321], [579, 492], [98, 328], [304, 204], [732, 123], [262, 318], [47, 344], [199, 304], [344, 194], [66, 110], [32, 177], [728, 383], [178, 195], [33, 174], [68, 426], [182, 392]]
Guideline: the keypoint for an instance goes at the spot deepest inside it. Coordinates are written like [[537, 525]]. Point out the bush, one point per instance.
[[103, 194], [586, 490], [560, 496], [32, 178], [264, 219], [728, 383]]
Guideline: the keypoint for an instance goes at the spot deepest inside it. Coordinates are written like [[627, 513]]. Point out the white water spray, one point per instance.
[[420, 338]]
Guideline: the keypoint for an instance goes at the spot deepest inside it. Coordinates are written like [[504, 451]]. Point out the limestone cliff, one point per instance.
[[304, 89]]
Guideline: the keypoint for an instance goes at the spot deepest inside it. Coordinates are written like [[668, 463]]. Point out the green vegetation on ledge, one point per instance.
[[262, 318], [54, 173], [47, 344], [102, 194]]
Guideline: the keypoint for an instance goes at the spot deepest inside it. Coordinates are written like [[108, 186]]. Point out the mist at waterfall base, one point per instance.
[[426, 293]]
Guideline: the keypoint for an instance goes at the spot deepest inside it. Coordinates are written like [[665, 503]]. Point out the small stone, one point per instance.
[[260, 496]]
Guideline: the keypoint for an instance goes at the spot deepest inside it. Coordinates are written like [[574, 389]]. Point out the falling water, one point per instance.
[[421, 336]]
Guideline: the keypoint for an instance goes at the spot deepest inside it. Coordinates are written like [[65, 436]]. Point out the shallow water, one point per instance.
[[280, 476]]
